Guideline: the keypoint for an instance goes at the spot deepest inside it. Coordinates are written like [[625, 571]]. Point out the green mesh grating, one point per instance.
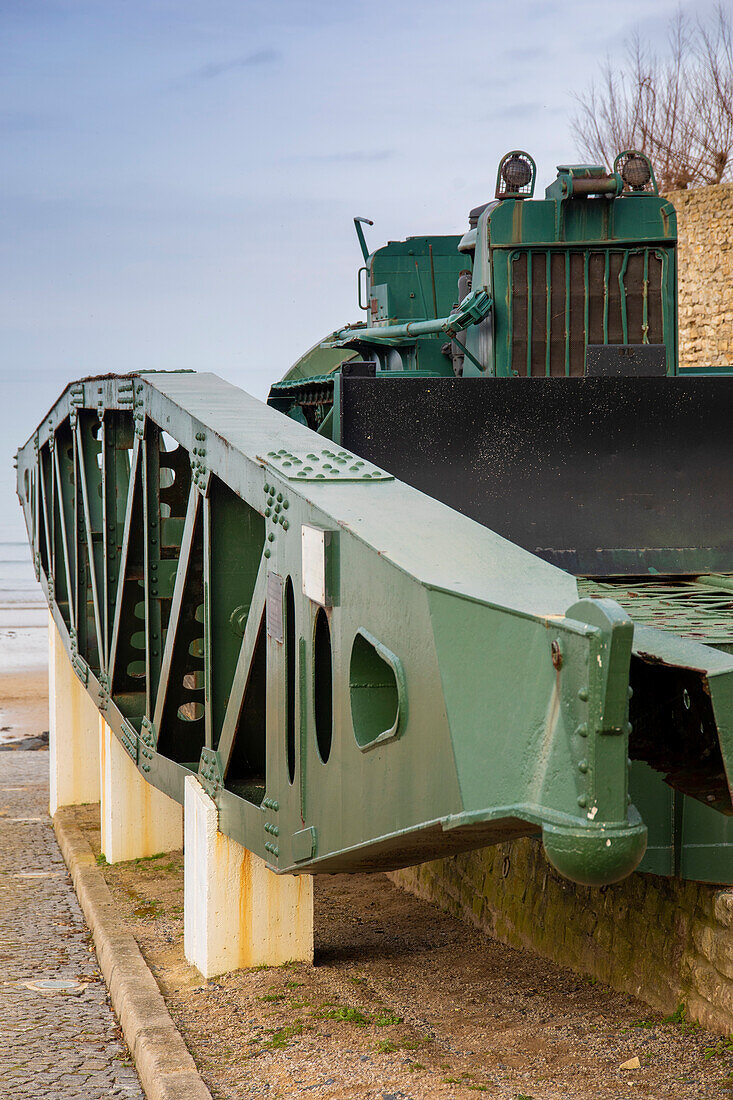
[[688, 608]]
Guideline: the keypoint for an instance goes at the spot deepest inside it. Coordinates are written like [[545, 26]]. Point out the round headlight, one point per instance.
[[636, 173], [516, 173]]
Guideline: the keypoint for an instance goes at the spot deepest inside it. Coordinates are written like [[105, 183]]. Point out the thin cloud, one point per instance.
[[214, 69]]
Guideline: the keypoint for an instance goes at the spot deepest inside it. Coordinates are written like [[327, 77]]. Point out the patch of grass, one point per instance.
[[347, 1013], [680, 1020], [415, 1044], [148, 909], [725, 1046], [386, 1047], [293, 985], [281, 1036], [357, 1016], [101, 860], [414, 1067], [149, 859], [386, 1018], [648, 1025]]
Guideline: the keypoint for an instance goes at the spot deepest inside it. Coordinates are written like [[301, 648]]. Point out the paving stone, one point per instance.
[[58, 1046]]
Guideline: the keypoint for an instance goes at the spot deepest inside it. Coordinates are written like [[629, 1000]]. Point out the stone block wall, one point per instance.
[[705, 233], [665, 941]]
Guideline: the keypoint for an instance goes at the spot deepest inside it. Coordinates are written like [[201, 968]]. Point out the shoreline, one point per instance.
[[23, 704], [23, 671]]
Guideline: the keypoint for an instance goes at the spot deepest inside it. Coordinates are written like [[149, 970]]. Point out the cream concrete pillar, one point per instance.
[[137, 819], [237, 913], [73, 731]]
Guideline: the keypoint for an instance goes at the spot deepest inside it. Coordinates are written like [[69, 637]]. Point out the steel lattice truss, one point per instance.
[[360, 676]]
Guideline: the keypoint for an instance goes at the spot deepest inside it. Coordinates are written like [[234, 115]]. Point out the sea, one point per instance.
[[23, 645], [23, 611]]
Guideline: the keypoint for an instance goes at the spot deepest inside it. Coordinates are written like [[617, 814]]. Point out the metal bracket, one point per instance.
[[76, 398], [126, 393], [211, 773], [103, 680], [138, 406], [147, 742], [128, 738], [324, 465], [79, 665], [198, 464]]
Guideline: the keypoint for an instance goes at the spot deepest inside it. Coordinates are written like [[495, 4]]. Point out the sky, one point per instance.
[[179, 177]]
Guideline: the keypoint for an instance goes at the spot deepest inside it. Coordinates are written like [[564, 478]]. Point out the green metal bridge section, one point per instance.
[[468, 576]]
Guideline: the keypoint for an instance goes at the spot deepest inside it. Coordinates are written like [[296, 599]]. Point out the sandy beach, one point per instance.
[[23, 647]]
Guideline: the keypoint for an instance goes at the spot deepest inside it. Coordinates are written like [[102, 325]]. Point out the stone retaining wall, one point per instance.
[[705, 231]]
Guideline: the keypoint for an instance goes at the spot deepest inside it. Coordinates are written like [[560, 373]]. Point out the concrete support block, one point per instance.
[[237, 913], [73, 731], [137, 819]]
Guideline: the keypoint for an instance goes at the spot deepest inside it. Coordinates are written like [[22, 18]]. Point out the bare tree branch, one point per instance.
[[679, 110]]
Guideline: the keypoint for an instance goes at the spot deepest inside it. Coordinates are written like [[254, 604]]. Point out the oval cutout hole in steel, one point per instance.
[[191, 712], [323, 684], [376, 688], [290, 676]]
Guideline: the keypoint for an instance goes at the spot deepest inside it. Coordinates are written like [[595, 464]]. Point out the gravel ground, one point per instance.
[[405, 1002], [60, 1042]]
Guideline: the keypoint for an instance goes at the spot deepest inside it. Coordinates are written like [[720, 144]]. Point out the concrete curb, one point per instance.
[[164, 1064]]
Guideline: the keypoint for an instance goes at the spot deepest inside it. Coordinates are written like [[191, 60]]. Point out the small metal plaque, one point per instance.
[[319, 564], [275, 606]]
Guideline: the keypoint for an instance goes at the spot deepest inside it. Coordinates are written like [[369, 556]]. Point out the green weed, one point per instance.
[[281, 1036], [386, 1018], [351, 1015], [357, 1016], [725, 1046], [648, 1025], [679, 1018]]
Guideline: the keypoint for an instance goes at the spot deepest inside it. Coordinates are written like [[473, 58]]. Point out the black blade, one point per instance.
[[601, 476]]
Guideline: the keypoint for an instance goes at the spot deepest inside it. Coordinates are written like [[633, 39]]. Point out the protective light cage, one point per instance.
[[635, 169], [516, 176]]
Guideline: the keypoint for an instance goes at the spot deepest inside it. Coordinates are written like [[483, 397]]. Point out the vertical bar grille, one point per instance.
[[563, 299]]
